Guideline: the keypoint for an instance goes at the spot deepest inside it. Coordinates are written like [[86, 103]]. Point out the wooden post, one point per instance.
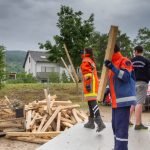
[[69, 58], [48, 101], [109, 52], [58, 121], [68, 70]]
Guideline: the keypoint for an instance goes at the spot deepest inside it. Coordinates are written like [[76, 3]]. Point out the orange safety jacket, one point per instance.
[[122, 82], [89, 78]]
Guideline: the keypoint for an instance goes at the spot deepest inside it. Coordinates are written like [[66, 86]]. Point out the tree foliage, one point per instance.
[[74, 32], [2, 65], [143, 39]]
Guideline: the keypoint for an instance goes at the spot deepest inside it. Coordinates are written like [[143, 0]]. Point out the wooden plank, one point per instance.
[[67, 124], [109, 52], [67, 107], [83, 117], [58, 122], [28, 119], [42, 123], [48, 101], [30, 139], [69, 58], [35, 134], [68, 70], [76, 116], [67, 120], [51, 118]]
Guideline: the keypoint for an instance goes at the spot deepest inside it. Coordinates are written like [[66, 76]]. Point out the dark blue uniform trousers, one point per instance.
[[120, 126]]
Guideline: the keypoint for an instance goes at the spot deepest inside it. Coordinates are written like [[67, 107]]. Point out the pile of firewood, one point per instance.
[[47, 118]]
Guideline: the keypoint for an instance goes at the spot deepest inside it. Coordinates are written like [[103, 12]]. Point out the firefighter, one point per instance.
[[123, 94], [90, 89]]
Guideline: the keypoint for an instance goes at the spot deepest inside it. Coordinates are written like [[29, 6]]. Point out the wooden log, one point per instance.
[[33, 120], [67, 120], [58, 122], [64, 113], [76, 116], [10, 125], [81, 115], [69, 58], [109, 52], [51, 119], [67, 124], [73, 119], [33, 134], [67, 107], [28, 119], [30, 139], [42, 123], [68, 70], [48, 101]]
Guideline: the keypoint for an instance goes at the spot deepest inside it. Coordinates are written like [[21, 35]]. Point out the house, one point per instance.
[[37, 64]]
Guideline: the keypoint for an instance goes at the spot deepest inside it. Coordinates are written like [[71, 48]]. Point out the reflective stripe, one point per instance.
[[126, 99], [121, 73], [122, 140], [96, 110], [88, 75], [141, 62], [91, 94], [95, 107]]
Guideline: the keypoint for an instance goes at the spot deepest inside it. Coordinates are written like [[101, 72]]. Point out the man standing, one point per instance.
[[141, 67], [90, 89], [122, 89]]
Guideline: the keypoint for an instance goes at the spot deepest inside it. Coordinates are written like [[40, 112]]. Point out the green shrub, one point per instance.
[[54, 77]]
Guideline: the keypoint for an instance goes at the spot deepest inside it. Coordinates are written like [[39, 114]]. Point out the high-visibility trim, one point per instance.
[[88, 75], [95, 107], [90, 94], [126, 99], [121, 73], [122, 140], [141, 62], [96, 110], [93, 84]]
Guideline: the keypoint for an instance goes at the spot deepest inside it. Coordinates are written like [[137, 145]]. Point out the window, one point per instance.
[[47, 69], [43, 69], [29, 59]]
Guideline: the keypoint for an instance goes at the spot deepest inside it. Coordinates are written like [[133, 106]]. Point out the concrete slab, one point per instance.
[[80, 138]]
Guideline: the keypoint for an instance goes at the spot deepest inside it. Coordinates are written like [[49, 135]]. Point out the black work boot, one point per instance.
[[90, 124], [100, 124]]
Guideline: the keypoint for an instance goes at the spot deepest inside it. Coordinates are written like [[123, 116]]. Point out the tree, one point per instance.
[[143, 39], [2, 65], [74, 32], [98, 42]]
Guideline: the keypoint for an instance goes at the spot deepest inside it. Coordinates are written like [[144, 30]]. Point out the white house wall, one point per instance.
[[30, 66]]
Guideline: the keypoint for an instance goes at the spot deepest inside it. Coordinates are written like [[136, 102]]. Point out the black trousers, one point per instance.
[[93, 109]]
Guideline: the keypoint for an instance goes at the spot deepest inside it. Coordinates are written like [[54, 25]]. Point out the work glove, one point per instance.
[[108, 64], [88, 88]]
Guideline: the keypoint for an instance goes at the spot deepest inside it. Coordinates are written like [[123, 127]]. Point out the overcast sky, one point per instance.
[[24, 23]]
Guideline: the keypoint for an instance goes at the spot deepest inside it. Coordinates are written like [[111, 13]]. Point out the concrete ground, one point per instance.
[[79, 138]]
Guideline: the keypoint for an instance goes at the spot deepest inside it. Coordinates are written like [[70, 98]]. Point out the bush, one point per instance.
[[65, 78], [54, 77], [23, 78]]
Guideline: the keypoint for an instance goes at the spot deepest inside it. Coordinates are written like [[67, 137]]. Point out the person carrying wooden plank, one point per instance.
[[123, 94], [90, 89]]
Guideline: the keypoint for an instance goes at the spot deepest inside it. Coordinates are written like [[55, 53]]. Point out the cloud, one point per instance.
[[24, 23]]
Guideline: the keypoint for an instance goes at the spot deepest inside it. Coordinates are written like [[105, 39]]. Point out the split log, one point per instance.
[[30, 139], [33, 134], [51, 119], [42, 123], [67, 124], [76, 116], [67, 120], [58, 122]]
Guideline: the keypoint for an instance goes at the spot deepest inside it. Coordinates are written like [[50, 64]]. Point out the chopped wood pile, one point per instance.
[[47, 118]]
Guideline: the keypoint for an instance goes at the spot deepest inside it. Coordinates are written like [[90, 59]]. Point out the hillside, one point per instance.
[[15, 60]]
